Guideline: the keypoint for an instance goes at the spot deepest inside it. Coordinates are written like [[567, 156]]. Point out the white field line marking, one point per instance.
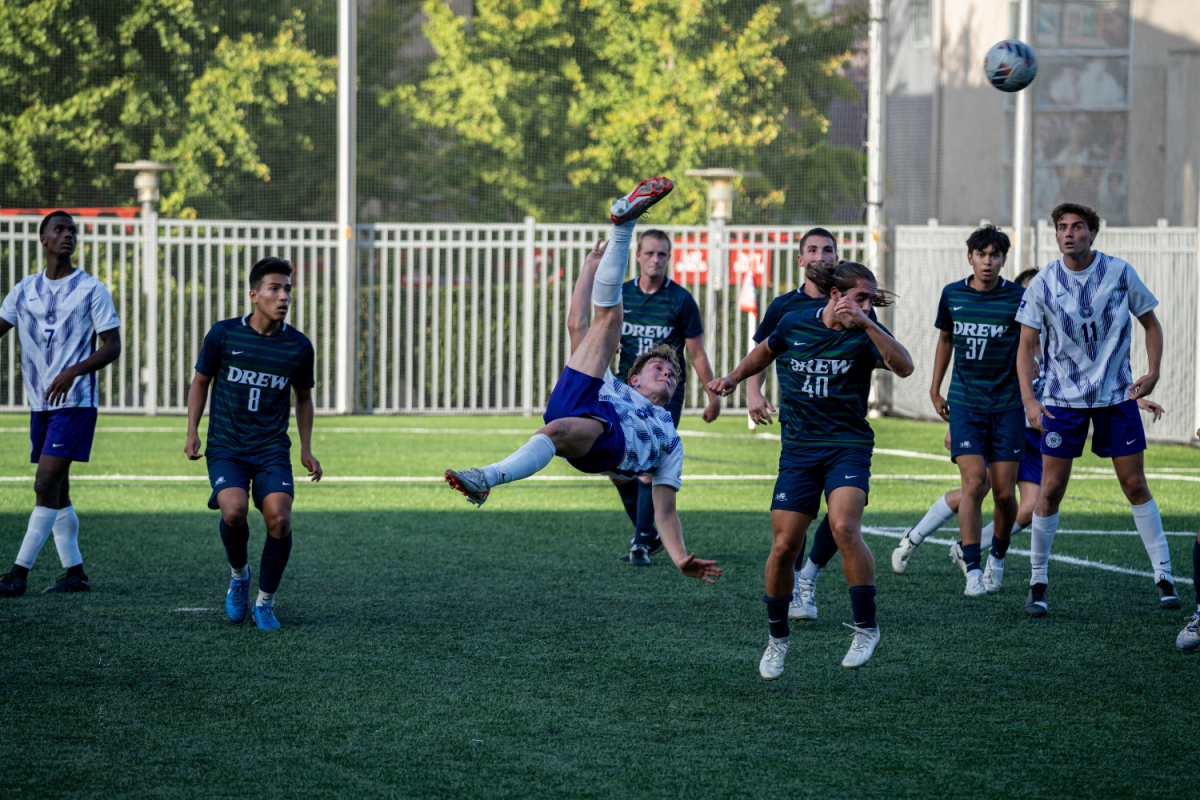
[[1079, 562], [193, 609], [1074, 531], [949, 477]]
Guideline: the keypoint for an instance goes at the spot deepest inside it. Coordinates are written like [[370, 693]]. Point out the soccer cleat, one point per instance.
[[903, 552], [957, 557], [638, 202], [1035, 603], [264, 618], [237, 599], [655, 546], [12, 585], [862, 647], [975, 587], [470, 482], [1188, 640], [993, 575], [639, 556], [1167, 597], [68, 583], [804, 601], [771, 664]]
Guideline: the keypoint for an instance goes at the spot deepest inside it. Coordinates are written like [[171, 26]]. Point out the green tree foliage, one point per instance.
[[229, 92], [551, 108]]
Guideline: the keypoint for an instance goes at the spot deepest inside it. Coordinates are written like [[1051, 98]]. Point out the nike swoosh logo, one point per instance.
[[1017, 450], [851, 476], [56, 445], [955, 308], [285, 484], [1131, 441], [237, 352]]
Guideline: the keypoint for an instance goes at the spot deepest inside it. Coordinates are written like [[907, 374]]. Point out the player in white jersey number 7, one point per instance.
[[602, 426]]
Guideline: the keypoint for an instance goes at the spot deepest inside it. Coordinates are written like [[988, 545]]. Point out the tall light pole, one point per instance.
[[345, 367], [146, 184], [876, 100], [1021, 159]]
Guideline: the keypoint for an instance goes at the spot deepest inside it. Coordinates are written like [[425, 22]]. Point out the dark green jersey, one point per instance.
[[986, 337], [253, 376], [669, 315], [781, 306], [825, 388]]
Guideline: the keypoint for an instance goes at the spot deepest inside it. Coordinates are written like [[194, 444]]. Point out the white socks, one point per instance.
[[1149, 526], [41, 525], [530, 458], [240, 574], [606, 288], [1041, 539], [810, 571], [66, 537], [265, 599], [935, 517]]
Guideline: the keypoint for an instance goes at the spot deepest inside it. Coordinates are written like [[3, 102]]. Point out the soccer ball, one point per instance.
[[1010, 65]]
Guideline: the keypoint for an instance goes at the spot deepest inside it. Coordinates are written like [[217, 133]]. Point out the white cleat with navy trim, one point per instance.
[[862, 647]]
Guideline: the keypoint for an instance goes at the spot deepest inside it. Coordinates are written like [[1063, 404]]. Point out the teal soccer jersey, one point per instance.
[[781, 306], [986, 337], [825, 388], [669, 315], [253, 376]]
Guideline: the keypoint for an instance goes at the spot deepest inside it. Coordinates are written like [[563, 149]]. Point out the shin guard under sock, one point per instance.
[[274, 562], [235, 538], [629, 498], [777, 611], [862, 602]]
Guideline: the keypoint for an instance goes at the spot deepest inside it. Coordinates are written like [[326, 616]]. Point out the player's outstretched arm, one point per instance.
[[759, 359], [197, 399], [1144, 385], [108, 352], [670, 530], [1027, 370], [941, 362], [304, 423]]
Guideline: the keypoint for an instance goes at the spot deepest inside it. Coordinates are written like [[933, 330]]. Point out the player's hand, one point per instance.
[[712, 410], [939, 405], [722, 387], [191, 448], [1153, 407], [850, 314], [760, 409], [312, 465], [592, 260], [700, 568], [1143, 386], [1034, 412], [57, 391], [947, 441]]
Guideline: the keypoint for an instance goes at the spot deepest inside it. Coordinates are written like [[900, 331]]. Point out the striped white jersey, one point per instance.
[[652, 445], [1086, 327], [57, 322]]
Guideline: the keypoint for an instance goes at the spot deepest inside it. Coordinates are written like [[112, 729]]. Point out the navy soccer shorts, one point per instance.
[[995, 435], [65, 432], [805, 473], [1031, 467], [578, 395], [1116, 431], [260, 474]]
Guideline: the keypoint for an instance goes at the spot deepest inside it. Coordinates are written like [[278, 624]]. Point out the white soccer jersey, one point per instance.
[[1085, 324], [57, 322], [651, 443]]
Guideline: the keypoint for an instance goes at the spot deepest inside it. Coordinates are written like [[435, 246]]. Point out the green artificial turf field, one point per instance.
[[431, 649]]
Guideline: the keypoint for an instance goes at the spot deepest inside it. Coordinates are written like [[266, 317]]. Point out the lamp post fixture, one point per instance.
[[146, 184], [720, 189]]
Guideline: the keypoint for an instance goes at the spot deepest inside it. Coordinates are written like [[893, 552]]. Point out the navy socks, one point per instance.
[[999, 547], [862, 602], [823, 546], [645, 508], [234, 539], [777, 611], [629, 499], [274, 561], [971, 556]]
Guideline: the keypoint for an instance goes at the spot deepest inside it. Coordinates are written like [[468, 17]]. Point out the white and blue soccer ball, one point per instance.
[[1010, 65]]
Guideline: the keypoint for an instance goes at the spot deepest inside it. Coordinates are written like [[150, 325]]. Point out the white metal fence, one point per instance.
[[446, 319], [926, 258]]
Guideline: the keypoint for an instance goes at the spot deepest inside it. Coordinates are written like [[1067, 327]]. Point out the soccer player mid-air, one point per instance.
[[58, 314], [987, 425], [827, 442], [1076, 315], [253, 364], [657, 310], [818, 258], [600, 425]]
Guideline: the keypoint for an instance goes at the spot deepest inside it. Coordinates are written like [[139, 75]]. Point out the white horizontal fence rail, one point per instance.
[[471, 319], [926, 258]]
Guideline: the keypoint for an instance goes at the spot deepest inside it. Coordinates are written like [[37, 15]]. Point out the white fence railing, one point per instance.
[[447, 319], [926, 258]]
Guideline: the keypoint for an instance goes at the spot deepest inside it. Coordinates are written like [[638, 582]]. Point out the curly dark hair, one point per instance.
[[846, 277], [1025, 276], [662, 351], [1087, 213], [988, 236]]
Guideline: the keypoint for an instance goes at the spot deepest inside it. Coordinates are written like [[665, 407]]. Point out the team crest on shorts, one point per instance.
[[781, 496], [1053, 439]]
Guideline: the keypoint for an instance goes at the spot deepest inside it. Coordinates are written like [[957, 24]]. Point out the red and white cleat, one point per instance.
[[638, 202], [470, 482]]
